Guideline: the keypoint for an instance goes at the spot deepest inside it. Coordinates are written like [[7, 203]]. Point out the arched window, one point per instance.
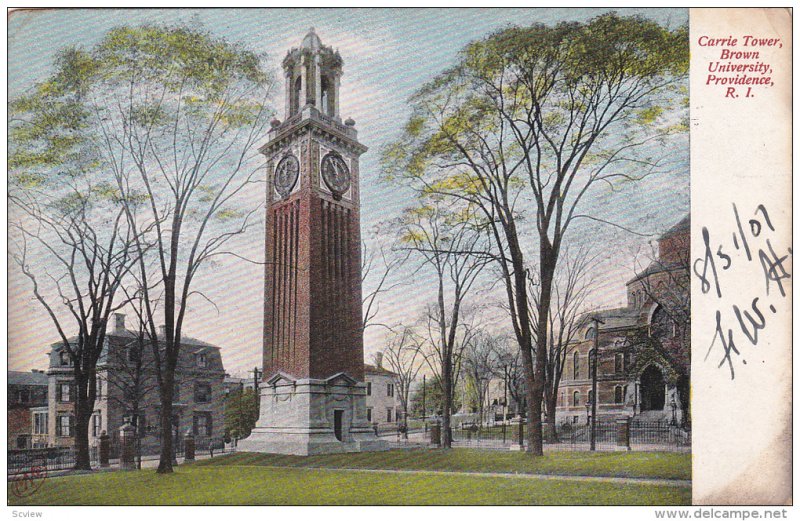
[[618, 394], [575, 366], [591, 397], [661, 325], [295, 98], [589, 333], [591, 363], [576, 399]]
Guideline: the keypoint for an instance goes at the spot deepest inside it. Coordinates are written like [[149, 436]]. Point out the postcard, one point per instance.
[[400, 256]]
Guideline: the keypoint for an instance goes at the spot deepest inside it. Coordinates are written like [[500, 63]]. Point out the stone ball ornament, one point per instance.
[[286, 174], [335, 173]]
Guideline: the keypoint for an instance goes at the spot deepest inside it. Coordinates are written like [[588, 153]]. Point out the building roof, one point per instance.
[[371, 369], [615, 318], [311, 41], [683, 225], [27, 378]]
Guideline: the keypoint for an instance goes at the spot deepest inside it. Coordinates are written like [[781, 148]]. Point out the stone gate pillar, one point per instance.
[[127, 435]]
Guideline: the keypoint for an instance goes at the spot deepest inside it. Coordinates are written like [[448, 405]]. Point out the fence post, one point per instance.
[[436, 434], [105, 449], [188, 447], [518, 434], [624, 433], [127, 447]]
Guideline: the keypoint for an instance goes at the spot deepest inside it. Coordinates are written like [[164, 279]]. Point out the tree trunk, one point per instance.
[[547, 270], [82, 459], [447, 406], [550, 407], [165, 458], [83, 413]]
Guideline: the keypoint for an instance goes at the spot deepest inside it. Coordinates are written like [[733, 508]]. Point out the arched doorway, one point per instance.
[[652, 389]]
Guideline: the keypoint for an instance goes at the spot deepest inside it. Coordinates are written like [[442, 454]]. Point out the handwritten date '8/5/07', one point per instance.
[[754, 238]]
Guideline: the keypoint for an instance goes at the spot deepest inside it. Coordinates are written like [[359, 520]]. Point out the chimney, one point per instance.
[[379, 360], [119, 322]]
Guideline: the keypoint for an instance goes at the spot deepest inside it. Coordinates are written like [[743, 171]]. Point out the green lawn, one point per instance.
[[235, 485], [618, 464]]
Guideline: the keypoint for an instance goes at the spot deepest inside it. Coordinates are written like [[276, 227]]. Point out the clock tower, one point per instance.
[[313, 399]]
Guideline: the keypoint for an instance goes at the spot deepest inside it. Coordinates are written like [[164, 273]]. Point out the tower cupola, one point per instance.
[[313, 72]]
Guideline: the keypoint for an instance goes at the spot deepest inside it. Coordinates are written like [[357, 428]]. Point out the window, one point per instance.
[[575, 366], [65, 359], [389, 389], [591, 363], [575, 419], [202, 360], [64, 393], [64, 425], [618, 394], [389, 414], [369, 388], [23, 396], [589, 333], [40, 423], [133, 354], [97, 424], [591, 397], [202, 424], [202, 393], [619, 363], [369, 414], [98, 387], [576, 399]]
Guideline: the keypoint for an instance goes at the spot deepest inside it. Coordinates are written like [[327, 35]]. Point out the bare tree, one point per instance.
[[76, 262], [403, 355], [377, 278], [453, 249], [571, 289], [480, 361]]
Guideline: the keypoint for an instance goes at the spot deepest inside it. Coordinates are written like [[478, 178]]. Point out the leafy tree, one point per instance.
[[241, 413], [67, 232], [171, 116], [529, 124]]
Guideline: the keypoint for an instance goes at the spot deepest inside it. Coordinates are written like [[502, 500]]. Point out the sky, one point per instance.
[[388, 54]]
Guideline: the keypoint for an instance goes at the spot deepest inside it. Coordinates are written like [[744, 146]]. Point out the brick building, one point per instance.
[[27, 392], [643, 362], [127, 389]]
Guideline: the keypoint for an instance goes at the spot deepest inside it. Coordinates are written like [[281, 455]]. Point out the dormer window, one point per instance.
[[202, 360], [65, 359]]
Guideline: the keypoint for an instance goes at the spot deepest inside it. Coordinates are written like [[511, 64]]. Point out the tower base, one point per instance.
[[308, 416]]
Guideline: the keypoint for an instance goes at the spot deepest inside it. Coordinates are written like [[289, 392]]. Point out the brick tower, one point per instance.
[[313, 395]]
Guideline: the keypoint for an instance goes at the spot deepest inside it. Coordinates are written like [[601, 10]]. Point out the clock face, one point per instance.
[[335, 173], [286, 174]]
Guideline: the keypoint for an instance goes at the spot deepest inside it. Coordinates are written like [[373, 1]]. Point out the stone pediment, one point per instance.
[[281, 378], [340, 379]]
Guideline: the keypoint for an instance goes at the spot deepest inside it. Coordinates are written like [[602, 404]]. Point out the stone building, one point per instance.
[[127, 389], [383, 401], [643, 353], [27, 395]]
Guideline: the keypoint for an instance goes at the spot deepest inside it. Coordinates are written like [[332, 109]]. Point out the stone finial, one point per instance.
[[350, 122]]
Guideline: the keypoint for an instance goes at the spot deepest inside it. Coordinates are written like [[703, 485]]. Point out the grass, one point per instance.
[[231, 484], [613, 464]]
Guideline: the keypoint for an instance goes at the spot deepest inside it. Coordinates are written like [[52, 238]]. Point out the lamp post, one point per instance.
[[423, 398], [505, 399], [588, 411], [592, 432]]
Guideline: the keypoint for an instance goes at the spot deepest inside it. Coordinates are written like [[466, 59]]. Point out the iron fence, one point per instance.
[[609, 435]]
